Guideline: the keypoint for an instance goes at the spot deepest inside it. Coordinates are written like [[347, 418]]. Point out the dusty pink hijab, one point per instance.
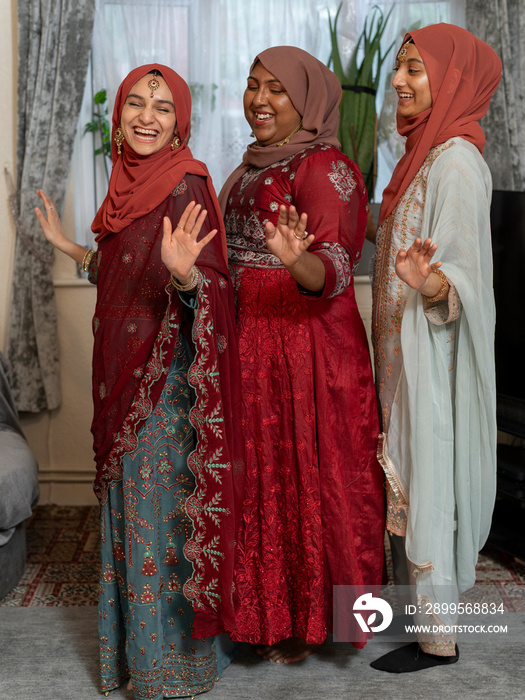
[[315, 93], [463, 72]]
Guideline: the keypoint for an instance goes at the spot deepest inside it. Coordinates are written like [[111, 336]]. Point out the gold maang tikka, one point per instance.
[[403, 51], [154, 83]]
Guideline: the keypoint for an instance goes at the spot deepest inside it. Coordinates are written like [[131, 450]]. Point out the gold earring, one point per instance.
[[175, 143], [118, 136]]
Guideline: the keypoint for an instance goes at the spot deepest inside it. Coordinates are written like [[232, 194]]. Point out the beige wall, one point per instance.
[[61, 439]]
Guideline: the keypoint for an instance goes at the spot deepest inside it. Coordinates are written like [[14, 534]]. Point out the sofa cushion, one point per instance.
[[18, 479]]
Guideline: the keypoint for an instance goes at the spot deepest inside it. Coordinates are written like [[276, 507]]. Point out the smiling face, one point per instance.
[[268, 108], [148, 122], [411, 83]]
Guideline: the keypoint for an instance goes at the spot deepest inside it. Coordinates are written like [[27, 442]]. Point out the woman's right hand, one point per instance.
[[53, 231], [51, 226]]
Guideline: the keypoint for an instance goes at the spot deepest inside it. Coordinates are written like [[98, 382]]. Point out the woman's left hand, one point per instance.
[[414, 265], [180, 247], [289, 239]]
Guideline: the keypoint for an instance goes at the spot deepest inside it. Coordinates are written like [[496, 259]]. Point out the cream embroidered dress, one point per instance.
[[435, 378]]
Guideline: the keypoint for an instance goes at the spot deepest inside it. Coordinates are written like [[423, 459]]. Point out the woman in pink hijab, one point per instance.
[[295, 216]]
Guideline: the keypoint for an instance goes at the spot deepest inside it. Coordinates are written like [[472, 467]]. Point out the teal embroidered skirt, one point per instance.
[[145, 622]]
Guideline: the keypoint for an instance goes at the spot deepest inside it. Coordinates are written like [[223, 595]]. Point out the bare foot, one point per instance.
[[261, 649], [289, 651]]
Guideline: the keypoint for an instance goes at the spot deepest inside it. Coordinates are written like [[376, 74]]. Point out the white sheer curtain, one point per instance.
[[212, 43]]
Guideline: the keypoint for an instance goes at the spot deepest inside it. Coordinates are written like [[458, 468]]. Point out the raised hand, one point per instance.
[[180, 248], [414, 265], [289, 239], [50, 221], [53, 231]]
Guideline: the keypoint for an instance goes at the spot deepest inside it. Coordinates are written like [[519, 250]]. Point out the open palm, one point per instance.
[[50, 222], [414, 265], [288, 240], [180, 247]]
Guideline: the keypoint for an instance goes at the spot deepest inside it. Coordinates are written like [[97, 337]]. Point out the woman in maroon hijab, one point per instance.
[[295, 217], [165, 386]]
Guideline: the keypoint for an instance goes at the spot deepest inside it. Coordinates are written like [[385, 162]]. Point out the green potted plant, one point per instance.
[[358, 123], [100, 125]]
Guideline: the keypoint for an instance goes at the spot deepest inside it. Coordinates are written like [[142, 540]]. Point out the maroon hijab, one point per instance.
[[138, 184], [463, 72]]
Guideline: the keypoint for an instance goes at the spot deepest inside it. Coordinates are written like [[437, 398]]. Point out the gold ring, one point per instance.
[[301, 238]]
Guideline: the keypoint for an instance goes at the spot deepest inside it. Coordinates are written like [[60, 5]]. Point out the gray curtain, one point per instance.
[[54, 41], [501, 23]]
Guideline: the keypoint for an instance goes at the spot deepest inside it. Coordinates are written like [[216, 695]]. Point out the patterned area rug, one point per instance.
[[63, 564], [62, 558]]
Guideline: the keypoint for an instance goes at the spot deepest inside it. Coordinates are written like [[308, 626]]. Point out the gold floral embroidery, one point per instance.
[[389, 292]]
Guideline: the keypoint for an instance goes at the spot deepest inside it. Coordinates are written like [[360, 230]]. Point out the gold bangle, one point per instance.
[[194, 281], [86, 260], [443, 290]]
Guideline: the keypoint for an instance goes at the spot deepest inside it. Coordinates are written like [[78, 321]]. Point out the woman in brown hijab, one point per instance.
[[295, 215]]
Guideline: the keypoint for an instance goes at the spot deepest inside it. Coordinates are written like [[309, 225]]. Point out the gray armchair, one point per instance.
[[18, 488]]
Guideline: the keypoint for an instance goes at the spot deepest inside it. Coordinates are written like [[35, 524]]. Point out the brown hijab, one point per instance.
[[315, 93], [463, 72]]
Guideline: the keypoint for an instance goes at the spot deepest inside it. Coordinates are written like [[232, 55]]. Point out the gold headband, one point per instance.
[[154, 84]]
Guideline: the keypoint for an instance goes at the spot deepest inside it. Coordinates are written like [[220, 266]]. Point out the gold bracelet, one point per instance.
[[194, 281], [86, 260], [443, 290]]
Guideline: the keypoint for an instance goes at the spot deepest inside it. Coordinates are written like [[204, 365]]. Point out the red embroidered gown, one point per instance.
[[313, 510]]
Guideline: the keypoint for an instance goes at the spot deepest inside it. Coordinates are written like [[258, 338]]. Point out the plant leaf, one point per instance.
[[100, 97], [358, 121]]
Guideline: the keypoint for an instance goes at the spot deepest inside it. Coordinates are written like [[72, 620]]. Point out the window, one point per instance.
[[212, 43]]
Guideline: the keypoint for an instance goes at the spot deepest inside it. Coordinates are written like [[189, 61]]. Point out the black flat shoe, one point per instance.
[[411, 658]]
